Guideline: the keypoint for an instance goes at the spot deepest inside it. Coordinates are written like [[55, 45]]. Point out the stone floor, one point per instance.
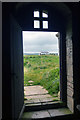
[[46, 113], [37, 96]]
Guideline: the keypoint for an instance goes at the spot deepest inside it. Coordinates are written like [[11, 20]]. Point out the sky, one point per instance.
[[40, 42]]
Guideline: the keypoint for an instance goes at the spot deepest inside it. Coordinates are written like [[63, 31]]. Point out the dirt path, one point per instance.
[[25, 70]]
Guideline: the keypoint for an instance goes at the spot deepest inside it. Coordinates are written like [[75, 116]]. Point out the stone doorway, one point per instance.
[[35, 92]]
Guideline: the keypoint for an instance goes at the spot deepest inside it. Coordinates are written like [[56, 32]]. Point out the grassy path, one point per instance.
[[43, 70]]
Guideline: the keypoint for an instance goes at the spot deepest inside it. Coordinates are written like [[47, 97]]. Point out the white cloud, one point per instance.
[[40, 41]]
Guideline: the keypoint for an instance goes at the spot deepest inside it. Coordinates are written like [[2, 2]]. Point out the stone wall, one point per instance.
[[69, 66]]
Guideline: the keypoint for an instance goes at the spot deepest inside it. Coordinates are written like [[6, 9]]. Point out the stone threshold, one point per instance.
[[54, 114], [43, 106], [36, 94], [45, 102]]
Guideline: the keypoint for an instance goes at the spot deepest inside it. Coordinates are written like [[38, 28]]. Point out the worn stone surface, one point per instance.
[[58, 112], [70, 92], [33, 90], [30, 97], [70, 70], [32, 101], [70, 103], [69, 65], [69, 84], [48, 102], [46, 99], [37, 114], [46, 113], [33, 104], [70, 78], [37, 94]]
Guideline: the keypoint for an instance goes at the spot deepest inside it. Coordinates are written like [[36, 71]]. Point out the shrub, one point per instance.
[[42, 67], [30, 57], [50, 81], [34, 57], [35, 68], [39, 56], [29, 65], [24, 63]]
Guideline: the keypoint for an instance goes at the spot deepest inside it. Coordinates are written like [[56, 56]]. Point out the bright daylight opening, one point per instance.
[[41, 67], [36, 13], [44, 14], [36, 24], [45, 24]]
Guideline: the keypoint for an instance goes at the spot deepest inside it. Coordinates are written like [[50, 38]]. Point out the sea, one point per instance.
[[32, 53], [37, 53]]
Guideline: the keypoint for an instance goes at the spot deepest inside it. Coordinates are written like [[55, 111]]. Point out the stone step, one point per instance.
[[43, 106], [54, 114]]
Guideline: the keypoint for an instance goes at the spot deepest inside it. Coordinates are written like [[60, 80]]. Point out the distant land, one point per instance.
[[32, 53], [38, 53]]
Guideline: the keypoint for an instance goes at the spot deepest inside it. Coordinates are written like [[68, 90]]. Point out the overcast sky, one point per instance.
[[40, 42]]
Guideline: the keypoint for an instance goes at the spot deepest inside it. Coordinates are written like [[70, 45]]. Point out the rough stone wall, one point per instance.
[[69, 65]]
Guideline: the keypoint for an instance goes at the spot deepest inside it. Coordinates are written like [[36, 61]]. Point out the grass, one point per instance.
[[43, 70]]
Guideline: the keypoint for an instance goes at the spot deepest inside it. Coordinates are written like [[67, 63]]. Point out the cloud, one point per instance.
[[38, 41]]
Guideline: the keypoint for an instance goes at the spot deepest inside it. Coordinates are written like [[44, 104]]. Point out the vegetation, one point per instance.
[[43, 70]]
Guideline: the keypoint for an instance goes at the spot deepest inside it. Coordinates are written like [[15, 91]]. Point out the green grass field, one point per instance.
[[43, 70]]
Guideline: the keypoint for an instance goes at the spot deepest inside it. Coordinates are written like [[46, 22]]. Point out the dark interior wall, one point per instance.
[[6, 68], [73, 59], [1, 60], [24, 15], [12, 71], [17, 80], [76, 54], [63, 79]]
